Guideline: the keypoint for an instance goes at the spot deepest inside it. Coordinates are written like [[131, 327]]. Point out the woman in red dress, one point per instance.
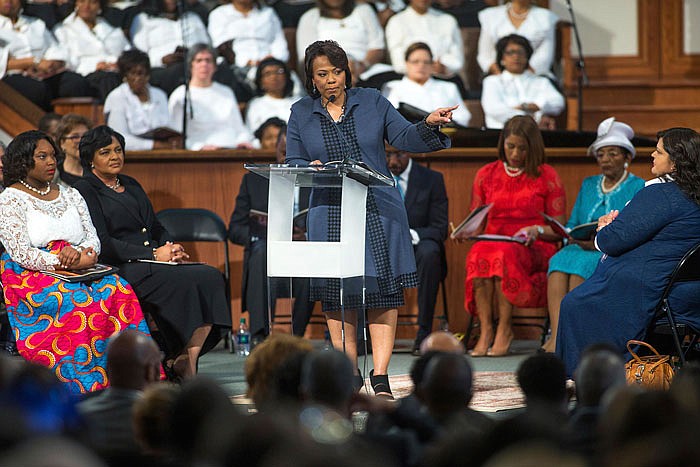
[[500, 274]]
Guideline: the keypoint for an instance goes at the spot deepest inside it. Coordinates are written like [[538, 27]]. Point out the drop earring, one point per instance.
[[627, 164]]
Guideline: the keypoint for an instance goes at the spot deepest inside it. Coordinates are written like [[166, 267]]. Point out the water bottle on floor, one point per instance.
[[243, 339], [327, 344]]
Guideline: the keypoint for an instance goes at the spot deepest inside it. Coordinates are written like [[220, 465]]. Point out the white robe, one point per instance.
[[502, 93], [261, 108], [255, 35], [539, 28], [87, 47], [427, 96], [357, 34], [215, 118], [437, 29], [28, 37], [159, 37], [129, 116]]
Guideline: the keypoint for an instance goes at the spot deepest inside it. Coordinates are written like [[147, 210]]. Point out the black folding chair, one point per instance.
[[199, 225], [687, 270]]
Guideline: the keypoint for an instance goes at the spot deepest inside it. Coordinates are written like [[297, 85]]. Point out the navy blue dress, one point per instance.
[[641, 248], [369, 120]]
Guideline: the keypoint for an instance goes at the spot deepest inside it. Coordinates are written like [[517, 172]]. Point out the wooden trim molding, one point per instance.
[[676, 63], [643, 65]]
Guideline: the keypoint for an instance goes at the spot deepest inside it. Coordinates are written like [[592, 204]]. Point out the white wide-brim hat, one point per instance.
[[612, 133]]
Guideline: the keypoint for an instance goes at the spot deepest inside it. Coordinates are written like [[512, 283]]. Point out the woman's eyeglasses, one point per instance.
[[73, 138], [268, 73], [420, 62]]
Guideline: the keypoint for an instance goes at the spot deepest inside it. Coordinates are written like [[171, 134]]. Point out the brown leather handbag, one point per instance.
[[651, 371]]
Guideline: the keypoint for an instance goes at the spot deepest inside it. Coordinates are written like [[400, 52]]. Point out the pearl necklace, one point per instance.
[[35, 190], [512, 171], [614, 187], [115, 186], [515, 15]]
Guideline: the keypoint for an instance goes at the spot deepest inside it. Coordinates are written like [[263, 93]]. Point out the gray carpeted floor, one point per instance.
[[227, 368]]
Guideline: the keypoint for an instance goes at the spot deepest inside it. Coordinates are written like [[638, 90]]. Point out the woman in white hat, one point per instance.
[[599, 194]]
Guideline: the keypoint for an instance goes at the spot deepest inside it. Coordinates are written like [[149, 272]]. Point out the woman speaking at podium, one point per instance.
[[336, 122]]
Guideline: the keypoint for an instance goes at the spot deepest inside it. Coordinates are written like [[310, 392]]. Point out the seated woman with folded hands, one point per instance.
[[187, 300], [46, 227]]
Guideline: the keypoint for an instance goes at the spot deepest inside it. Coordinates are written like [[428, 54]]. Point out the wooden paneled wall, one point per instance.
[[182, 179], [656, 88]]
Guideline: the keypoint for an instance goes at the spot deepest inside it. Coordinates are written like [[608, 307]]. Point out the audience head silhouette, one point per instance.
[[133, 360]]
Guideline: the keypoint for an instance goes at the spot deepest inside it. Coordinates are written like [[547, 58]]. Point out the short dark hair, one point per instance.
[[326, 378], [130, 59], [19, 156], [272, 121], [45, 121], [683, 148], [542, 378], [417, 46], [346, 8], [525, 127], [515, 39], [271, 61], [94, 140], [336, 55]]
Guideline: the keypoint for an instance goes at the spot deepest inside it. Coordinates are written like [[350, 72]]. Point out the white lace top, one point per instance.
[[29, 223]]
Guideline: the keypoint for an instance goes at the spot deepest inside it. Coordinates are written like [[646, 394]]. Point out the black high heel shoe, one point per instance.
[[380, 384]]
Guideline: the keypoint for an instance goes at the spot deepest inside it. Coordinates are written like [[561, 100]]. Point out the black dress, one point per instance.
[[180, 298]]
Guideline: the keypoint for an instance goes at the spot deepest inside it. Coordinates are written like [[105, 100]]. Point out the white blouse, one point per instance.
[[29, 223], [539, 28], [255, 35], [28, 37], [428, 96], [437, 29], [502, 93], [125, 112], [357, 34], [159, 37], [261, 108], [214, 120], [87, 47]]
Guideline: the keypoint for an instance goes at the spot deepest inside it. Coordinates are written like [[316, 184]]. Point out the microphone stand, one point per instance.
[[185, 70], [582, 76]]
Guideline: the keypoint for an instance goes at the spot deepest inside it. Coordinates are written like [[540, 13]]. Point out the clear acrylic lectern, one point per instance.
[[341, 260]]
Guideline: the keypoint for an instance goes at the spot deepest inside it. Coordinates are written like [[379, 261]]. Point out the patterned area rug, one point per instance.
[[493, 391]]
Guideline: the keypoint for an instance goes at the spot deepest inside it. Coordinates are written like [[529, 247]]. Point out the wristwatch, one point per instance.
[[540, 230]]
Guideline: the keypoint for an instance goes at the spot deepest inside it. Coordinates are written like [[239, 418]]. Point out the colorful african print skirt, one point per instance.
[[65, 326]]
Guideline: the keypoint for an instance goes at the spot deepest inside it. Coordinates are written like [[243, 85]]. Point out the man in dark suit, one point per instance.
[[425, 198], [133, 362], [245, 230]]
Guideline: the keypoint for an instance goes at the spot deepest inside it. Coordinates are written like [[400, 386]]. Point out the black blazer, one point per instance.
[[126, 233], [253, 194], [426, 203]]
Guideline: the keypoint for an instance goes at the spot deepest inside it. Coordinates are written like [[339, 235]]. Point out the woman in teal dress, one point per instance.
[[599, 194]]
